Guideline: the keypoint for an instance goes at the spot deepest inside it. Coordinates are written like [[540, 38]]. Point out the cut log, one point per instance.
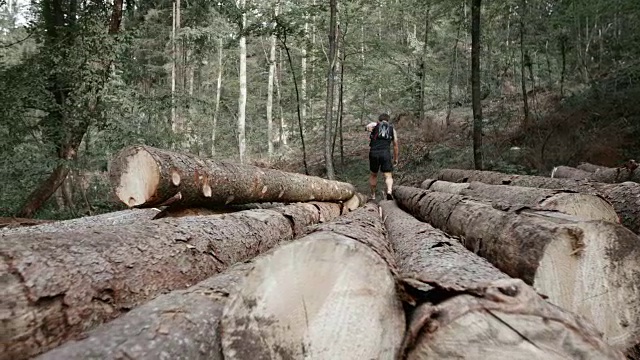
[[584, 206], [590, 167], [624, 197], [183, 324], [567, 172], [116, 218], [57, 285], [14, 222], [329, 295], [443, 274], [181, 210], [144, 176], [587, 267]]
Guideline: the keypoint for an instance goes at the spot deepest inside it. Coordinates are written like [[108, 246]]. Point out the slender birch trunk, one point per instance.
[[272, 71], [242, 98]]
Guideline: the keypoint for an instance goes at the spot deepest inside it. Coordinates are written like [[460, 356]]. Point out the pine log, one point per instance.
[[116, 218], [57, 285], [624, 197], [183, 324], [13, 222], [329, 295], [144, 176], [182, 210], [584, 206], [590, 167], [587, 267], [568, 172], [444, 273]]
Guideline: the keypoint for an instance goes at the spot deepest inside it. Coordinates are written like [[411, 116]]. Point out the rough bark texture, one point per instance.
[[57, 285], [584, 206], [588, 267], [183, 324], [341, 300], [624, 197], [180, 210], [567, 172], [144, 176], [505, 320], [590, 167], [116, 218]]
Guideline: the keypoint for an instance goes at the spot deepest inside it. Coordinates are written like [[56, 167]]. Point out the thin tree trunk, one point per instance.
[[298, 105], [218, 92], [330, 90], [174, 60], [341, 111], [303, 74], [423, 63], [272, 71], [475, 86], [563, 52], [523, 64], [284, 132], [242, 98], [454, 66]]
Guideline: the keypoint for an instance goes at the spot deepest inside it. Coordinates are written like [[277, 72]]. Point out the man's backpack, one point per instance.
[[382, 131]]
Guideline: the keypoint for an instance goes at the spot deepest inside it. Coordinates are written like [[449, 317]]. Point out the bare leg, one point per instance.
[[388, 180], [373, 183]]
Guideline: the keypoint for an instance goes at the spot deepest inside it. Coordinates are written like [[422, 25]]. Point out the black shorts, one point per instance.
[[380, 161]]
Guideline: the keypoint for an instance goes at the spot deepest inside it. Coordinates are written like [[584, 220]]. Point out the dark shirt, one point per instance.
[[381, 145]]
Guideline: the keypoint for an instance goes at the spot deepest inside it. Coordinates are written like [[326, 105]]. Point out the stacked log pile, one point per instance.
[[217, 260]]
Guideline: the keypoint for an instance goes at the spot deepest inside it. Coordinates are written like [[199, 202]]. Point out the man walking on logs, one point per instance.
[[382, 134]]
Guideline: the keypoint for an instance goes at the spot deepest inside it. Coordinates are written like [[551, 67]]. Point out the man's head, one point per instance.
[[383, 117]]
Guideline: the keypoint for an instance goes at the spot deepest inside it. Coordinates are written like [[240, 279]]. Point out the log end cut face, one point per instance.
[[137, 177], [584, 206], [323, 297], [594, 270]]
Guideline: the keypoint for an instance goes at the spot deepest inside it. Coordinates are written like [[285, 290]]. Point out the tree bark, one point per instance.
[[117, 218], [344, 287], [454, 66], [583, 206], [56, 287], [143, 176], [218, 93], [328, 111], [13, 222], [567, 172], [272, 72], [450, 280], [475, 84], [183, 324], [552, 252], [590, 167], [624, 197], [600, 174], [242, 97], [423, 63]]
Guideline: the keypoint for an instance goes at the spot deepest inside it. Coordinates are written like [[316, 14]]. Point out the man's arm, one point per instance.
[[395, 147]]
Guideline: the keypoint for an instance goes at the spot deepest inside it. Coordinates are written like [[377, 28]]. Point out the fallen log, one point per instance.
[[584, 206], [56, 286], [116, 218], [183, 324], [144, 176], [586, 267], [14, 222], [340, 299], [567, 172], [590, 167], [456, 287], [624, 197]]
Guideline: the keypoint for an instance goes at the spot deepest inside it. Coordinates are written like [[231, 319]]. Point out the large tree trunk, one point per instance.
[[144, 176], [584, 206], [624, 197], [341, 304], [551, 252], [56, 287], [449, 280], [590, 167], [628, 172], [117, 218], [567, 172], [183, 324]]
